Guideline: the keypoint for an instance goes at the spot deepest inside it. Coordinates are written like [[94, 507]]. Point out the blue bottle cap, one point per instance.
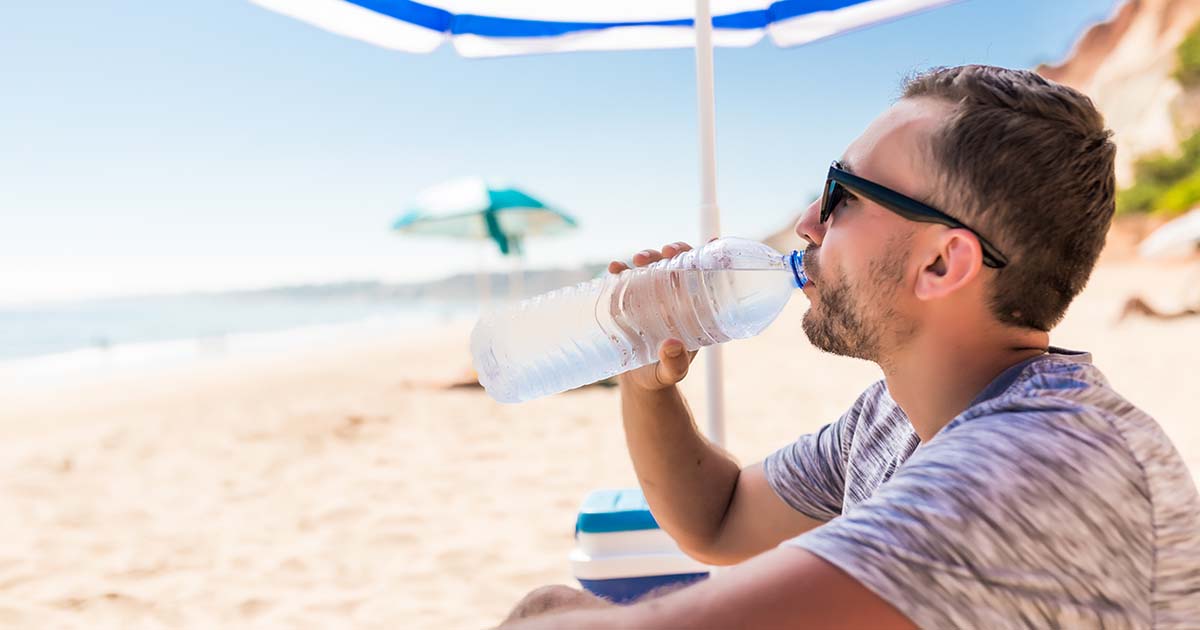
[[796, 262]]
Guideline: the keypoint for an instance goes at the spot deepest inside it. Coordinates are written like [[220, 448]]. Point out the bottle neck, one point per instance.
[[795, 262]]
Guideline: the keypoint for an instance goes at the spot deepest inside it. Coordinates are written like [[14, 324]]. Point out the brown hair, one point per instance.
[[1029, 164]]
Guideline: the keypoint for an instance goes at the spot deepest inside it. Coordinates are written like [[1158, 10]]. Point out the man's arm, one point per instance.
[[784, 588], [716, 511]]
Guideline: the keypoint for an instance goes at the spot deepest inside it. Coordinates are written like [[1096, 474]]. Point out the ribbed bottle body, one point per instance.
[[731, 288]]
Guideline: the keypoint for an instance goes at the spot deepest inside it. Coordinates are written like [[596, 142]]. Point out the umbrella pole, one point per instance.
[[516, 278], [516, 272], [710, 226], [483, 281]]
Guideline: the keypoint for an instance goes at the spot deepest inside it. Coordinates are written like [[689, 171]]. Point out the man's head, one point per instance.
[[1025, 163]]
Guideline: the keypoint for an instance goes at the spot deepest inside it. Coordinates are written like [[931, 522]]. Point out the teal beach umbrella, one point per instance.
[[474, 209]]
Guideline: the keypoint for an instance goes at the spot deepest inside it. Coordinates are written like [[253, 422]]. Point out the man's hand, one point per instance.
[[673, 359]]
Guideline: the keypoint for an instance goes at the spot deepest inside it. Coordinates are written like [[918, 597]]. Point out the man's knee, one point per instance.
[[554, 597]]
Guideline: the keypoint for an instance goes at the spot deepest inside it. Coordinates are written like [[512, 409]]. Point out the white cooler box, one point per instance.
[[621, 554]]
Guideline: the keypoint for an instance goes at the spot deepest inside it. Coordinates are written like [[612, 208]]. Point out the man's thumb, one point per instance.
[[672, 363]]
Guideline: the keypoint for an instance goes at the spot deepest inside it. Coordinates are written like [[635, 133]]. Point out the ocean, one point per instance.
[[107, 333]]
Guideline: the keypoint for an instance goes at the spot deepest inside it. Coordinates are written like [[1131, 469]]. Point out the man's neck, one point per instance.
[[934, 378]]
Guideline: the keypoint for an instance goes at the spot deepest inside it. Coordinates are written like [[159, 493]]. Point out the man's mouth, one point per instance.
[[811, 270]]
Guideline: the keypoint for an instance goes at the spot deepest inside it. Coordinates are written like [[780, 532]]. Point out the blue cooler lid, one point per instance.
[[618, 510]]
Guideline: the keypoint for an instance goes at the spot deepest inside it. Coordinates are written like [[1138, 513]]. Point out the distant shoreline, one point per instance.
[[98, 356]]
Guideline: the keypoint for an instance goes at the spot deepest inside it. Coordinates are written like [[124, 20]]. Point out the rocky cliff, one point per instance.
[[1125, 65]]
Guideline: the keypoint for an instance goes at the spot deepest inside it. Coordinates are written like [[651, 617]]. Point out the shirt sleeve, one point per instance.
[[1034, 519], [810, 473]]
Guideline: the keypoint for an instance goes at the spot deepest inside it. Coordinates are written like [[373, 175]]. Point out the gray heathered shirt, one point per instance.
[[1051, 502]]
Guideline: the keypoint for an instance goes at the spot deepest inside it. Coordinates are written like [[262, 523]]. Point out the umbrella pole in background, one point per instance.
[[483, 281], [710, 223], [516, 273], [516, 280]]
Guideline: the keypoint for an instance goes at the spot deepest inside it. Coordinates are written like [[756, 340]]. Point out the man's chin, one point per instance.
[[824, 339], [811, 325]]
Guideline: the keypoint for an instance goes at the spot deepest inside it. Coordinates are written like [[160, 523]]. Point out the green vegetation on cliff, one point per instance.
[[1170, 184], [1187, 66], [1166, 184]]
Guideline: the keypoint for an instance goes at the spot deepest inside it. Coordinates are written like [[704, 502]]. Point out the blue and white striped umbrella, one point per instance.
[[494, 28], [491, 28]]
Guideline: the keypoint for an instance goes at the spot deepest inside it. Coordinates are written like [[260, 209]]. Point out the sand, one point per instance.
[[341, 486]]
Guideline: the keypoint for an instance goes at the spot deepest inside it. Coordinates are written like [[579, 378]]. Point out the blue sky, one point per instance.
[[162, 147]]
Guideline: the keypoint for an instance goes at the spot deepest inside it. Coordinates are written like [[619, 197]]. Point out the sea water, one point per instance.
[[76, 337]]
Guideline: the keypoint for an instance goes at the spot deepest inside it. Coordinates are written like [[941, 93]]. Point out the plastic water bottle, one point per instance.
[[732, 288]]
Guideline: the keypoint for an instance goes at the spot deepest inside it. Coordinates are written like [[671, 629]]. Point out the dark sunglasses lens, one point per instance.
[[830, 200]]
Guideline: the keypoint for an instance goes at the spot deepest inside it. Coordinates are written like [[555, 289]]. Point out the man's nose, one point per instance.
[[809, 227]]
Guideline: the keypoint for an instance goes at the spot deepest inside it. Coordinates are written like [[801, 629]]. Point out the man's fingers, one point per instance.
[[650, 256], [646, 257], [671, 250]]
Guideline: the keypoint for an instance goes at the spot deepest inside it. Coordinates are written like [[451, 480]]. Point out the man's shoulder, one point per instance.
[[1056, 375], [1060, 383], [1057, 409]]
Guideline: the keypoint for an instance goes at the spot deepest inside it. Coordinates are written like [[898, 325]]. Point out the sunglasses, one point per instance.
[[841, 182]]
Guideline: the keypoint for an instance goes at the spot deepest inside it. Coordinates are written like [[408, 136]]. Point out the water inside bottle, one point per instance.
[[698, 307]]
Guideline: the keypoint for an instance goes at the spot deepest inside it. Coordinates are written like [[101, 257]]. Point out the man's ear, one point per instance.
[[953, 262]]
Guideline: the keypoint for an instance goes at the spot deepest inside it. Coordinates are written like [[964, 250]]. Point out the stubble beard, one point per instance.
[[853, 319]]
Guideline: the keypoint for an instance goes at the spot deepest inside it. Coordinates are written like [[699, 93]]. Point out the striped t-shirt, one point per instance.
[[1051, 502]]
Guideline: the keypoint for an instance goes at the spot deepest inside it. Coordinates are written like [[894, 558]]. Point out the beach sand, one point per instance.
[[344, 486]]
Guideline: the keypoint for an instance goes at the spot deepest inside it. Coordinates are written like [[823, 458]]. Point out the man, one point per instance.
[[990, 480]]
